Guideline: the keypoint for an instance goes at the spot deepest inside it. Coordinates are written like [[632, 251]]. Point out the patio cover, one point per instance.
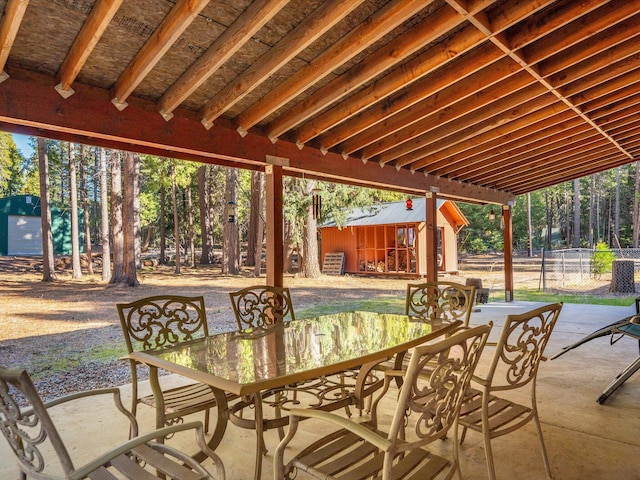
[[474, 100]]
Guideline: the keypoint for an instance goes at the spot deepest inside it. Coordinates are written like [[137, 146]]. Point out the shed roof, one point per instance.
[[397, 212]]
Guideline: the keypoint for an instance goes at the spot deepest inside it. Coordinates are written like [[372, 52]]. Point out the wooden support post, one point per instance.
[[432, 237], [508, 253], [274, 221]]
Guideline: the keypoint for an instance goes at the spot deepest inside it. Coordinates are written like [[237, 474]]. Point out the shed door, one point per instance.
[[25, 237]]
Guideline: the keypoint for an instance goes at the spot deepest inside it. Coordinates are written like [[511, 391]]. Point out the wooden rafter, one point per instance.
[[378, 25], [11, 20], [174, 24], [222, 49], [314, 26], [101, 15], [387, 56], [462, 65]]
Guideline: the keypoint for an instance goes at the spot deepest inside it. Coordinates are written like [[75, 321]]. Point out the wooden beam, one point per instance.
[[593, 53], [444, 52], [222, 49], [454, 151], [354, 108], [543, 140], [29, 105], [174, 24], [568, 32], [313, 27], [357, 40], [90, 34], [470, 156], [11, 20], [275, 224], [387, 56], [533, 162], [431, 230], [440, 106], [489, 115]]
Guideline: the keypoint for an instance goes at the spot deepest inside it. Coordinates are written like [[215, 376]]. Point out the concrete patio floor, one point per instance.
[[585, 440]]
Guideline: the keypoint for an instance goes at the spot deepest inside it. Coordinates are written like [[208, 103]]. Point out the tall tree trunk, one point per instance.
[[592, 210], [310, 267], [192, 246], [48, 264], [259, 206], [254, 217], [85, 209], [75, 231], [205, 225], [211, 206], [131, 212], [116, 217], [231, 246], [636, 208], [104, 213], [137, 227], [163, 232], [576, 213], [176, 222], [289, 243]]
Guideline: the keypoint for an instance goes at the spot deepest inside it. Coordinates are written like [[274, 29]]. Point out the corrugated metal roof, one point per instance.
[[387, 213]]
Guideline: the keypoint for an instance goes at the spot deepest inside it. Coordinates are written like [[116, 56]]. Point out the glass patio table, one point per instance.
[[250, 362]]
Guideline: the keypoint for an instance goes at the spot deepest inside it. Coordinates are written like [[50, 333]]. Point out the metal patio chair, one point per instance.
[[362, 450], [161, 321], [515, 364], [41, 453]]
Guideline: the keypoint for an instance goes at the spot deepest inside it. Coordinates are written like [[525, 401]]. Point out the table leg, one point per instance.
[[221, 423]]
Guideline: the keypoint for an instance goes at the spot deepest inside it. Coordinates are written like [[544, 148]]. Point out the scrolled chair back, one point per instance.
[[261, 306], [521, 346], [435, 383], [440, 300], [162, 320]]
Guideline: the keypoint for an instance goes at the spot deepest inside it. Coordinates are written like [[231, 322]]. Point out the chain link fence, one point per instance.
[[583, 270]]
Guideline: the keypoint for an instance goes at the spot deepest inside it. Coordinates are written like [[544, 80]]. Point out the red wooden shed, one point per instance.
[[390, 238]]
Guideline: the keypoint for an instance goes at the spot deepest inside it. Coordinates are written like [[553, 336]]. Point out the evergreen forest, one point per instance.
[[194, 213]]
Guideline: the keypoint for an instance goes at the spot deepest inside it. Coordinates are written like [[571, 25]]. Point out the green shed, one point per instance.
[[21, 228]]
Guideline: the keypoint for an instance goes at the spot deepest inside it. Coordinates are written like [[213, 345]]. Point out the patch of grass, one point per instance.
[[396, 305], [378, 304], [538, 296], [59, 360]]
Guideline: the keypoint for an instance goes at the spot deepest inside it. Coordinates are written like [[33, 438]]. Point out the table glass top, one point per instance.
[[299, 346]]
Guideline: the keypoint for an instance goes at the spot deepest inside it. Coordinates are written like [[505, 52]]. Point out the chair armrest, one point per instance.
[[85, 470], [480, 380], [362, 430], [117, 401]]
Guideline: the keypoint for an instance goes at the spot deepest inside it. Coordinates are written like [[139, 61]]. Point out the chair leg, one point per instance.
[[486, 437], [545, 457]]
